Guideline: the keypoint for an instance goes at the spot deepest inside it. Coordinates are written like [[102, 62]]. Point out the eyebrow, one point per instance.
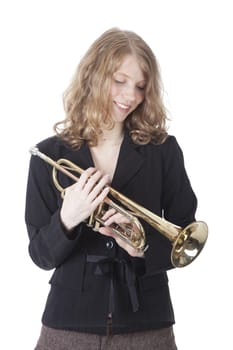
[[126, 75]]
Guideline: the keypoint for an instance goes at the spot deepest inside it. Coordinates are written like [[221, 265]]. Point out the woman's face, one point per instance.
[[127, 89]]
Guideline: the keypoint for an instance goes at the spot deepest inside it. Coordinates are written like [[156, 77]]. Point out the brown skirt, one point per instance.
[[54, 339]]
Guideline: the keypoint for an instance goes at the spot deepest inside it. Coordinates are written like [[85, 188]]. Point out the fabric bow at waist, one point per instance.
[[107, 266]]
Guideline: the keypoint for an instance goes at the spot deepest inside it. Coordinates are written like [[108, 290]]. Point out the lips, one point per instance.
[[122, 106]]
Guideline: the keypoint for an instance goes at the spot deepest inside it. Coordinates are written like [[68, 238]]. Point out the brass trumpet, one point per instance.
[[187, 242]]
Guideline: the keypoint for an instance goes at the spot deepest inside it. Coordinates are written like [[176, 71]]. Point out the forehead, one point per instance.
[[129, 66]]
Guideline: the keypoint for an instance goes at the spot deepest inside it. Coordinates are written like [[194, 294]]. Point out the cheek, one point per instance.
[[114, 91], [140, 99]]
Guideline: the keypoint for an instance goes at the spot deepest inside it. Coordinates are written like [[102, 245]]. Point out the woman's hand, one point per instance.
[[82, 198], [111, 217]]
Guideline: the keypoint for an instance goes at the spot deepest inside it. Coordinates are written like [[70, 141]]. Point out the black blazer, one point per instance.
[[92, 274]]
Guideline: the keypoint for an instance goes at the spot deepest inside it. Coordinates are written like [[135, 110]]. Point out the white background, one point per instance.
[[41, 44]]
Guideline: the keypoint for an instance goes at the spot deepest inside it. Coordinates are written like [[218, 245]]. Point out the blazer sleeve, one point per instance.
[[49, 243], [179, 202], [178, 205]]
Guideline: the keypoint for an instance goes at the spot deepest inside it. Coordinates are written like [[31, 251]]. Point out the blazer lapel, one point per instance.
[[128, 164], [82, 157]]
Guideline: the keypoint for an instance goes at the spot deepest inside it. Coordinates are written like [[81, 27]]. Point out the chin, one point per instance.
[[120, 118]]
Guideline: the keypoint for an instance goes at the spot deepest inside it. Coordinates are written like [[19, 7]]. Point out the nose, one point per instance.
[[130, 94]]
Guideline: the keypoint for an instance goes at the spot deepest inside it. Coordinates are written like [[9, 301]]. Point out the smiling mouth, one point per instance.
[[122, 106]]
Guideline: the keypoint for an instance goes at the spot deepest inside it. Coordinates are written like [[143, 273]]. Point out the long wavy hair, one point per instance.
[[86, 101]]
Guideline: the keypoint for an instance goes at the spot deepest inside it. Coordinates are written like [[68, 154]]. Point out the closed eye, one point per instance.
[[141, 88], [119, 81]]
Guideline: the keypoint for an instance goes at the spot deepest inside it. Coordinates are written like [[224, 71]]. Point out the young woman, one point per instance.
[[105, 294]]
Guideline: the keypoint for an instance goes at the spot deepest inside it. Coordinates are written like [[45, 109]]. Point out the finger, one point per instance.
[[118, 218], [106, 231], [122, 243], [85, 177], [80, 184], [108, 214], [92, 181], [100, 198], [99, 187]]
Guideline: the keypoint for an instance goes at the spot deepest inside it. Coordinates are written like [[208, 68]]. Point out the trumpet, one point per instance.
[[187, 242]]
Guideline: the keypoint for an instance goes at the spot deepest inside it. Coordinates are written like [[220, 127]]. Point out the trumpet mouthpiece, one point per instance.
[[34, 151]]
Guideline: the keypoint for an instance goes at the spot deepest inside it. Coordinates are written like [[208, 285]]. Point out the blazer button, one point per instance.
[[109, 244]]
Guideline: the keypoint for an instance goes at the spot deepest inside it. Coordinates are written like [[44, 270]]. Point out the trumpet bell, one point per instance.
[[189, 243]]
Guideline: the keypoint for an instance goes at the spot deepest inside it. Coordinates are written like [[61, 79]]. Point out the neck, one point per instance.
[[112, 137]]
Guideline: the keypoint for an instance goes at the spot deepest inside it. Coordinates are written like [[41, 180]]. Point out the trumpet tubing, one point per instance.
[[187, 243]]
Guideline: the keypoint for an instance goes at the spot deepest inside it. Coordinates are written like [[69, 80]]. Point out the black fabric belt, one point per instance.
[[107, 266]]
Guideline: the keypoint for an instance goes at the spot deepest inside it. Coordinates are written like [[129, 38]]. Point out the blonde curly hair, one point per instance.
[[86, 100]]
